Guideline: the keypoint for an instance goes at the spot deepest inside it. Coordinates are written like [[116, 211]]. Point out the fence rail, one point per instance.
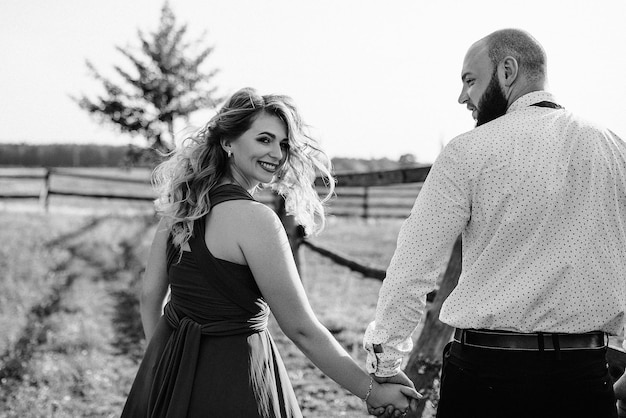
[[22, 176], [103, 178]]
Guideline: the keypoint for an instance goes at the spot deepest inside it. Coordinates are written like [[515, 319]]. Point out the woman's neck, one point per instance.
[[249, 188]]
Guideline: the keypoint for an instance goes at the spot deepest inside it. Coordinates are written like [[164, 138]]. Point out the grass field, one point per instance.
[[71, 337]]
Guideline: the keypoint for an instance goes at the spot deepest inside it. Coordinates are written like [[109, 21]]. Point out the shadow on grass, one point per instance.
[[93, 223], [126, 317], [126, 321], [13, 361]]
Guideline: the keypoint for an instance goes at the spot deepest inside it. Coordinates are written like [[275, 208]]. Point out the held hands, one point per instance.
[[621, 408], [392, 396]]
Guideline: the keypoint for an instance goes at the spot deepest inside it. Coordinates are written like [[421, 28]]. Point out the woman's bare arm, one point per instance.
[[155, 283], [264, 243]]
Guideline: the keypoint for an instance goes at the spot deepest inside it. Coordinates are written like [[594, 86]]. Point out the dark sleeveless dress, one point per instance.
[[211, 354]]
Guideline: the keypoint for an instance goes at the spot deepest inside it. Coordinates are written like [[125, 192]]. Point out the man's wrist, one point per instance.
[[381, 379]]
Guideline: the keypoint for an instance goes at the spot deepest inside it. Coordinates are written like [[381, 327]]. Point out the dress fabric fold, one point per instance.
[[211, 353]]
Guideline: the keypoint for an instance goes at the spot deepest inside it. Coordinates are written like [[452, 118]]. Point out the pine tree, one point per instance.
[[166, 83]]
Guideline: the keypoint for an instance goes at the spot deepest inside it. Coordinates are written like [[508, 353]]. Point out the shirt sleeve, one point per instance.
[[440, 213]]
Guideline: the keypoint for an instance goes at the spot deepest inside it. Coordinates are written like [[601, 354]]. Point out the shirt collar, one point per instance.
[[530, 99]]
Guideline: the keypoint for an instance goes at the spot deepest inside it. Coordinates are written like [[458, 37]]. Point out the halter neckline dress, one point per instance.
[[211, 354]]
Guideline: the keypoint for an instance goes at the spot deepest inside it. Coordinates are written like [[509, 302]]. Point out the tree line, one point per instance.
[[66, 155], [95, 155]]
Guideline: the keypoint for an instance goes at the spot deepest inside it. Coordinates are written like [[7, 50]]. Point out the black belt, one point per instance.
[[505, 340]]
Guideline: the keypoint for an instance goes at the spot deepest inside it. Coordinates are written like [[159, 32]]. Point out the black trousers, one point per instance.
[[487, 383]]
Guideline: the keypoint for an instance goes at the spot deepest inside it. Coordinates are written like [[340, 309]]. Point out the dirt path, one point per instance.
[[78, 351]]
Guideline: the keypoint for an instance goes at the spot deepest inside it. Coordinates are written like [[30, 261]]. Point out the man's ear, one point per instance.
[[508, 71]]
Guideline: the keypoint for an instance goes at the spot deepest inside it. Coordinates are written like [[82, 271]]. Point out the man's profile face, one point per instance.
[[481, 92]]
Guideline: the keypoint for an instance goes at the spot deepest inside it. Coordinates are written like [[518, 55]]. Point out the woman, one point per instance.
[[227, 260]]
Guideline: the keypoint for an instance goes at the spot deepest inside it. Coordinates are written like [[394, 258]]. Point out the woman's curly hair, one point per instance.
[[184, 180]]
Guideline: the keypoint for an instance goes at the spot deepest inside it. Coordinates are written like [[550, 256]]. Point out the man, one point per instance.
[[539, 196]]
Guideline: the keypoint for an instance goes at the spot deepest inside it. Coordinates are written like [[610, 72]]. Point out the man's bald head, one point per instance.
[[519, 44]]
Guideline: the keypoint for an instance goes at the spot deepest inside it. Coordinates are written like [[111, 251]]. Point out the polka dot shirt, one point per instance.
[[539, 196]]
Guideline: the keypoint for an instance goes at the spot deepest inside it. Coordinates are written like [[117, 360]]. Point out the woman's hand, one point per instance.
[[386, 394], [620, 394], [387, 411]]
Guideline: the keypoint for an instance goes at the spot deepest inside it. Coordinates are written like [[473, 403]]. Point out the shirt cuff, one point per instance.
[[379, 362]]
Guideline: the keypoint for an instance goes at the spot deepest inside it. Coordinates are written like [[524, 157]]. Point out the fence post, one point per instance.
[[45, 191], [366, 190], [295, 232], [425, 361]]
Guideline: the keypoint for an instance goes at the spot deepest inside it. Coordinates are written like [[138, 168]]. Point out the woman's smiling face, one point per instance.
[[259, 152]]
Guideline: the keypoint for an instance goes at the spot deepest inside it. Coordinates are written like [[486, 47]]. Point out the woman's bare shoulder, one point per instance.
[[252, 215], [251, 208]]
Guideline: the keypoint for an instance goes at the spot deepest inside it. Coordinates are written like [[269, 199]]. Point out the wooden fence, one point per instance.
[[365, 195], [71, 188]]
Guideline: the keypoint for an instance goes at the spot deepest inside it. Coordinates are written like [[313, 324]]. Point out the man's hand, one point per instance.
[[401, 379], [388, 412]]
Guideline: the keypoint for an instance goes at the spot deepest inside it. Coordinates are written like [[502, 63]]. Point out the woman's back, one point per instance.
[[211, 348], [212, 288]]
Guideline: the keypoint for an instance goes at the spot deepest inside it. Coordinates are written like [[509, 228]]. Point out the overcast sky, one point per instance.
[[375, 79]]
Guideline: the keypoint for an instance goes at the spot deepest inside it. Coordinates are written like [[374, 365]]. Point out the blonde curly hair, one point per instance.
[[183, 181]]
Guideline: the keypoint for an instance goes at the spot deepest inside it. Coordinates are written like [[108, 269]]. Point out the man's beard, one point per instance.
[[492, 104]]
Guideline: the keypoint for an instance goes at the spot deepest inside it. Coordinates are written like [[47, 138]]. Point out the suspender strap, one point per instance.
[[557, 346], [545, 103]]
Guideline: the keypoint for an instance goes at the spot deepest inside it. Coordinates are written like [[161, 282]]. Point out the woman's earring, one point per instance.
[[230, 153]]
